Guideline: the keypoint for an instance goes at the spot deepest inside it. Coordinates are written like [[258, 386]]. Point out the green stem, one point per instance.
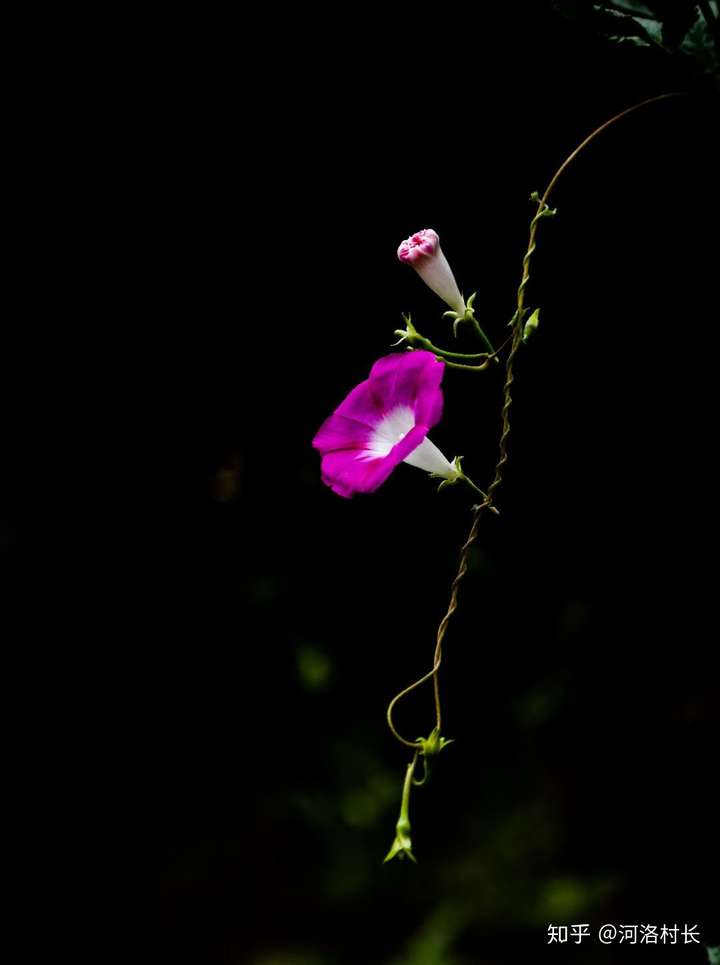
[[470, 368], [403, 823], [467, 356], [472, 485], [480, 332]]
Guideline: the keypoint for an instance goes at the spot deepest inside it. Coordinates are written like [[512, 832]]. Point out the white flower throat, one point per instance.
[[392, 428]]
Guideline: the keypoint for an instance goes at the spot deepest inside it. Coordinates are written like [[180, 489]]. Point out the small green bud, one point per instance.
[[531, 325], [402, 845]]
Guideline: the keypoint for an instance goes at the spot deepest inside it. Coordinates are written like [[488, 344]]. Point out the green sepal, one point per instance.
[[466, 316], [408, 334], [452, 480], [459, 476], [402, 845], [432, 745]]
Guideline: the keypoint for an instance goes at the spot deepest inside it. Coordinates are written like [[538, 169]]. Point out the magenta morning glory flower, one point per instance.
[[385, 421], [422, 250]]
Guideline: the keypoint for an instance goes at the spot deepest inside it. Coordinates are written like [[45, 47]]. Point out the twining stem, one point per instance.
[[397, 698], [487, 503]]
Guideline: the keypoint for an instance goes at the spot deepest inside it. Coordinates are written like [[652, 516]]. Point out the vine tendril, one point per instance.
[[516, 323]]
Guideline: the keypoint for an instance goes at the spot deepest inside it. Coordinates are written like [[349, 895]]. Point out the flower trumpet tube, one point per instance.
[[385, 421], [422, 250]]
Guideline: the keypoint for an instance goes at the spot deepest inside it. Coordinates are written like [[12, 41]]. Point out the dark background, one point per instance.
[[202, 639]]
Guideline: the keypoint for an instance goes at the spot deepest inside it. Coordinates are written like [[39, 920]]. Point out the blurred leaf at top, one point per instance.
[[683, 30]]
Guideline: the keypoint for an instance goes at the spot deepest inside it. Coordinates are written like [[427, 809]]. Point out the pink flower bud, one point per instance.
[[422, 250]]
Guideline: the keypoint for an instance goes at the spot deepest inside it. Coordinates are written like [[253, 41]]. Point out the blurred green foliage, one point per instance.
[[681, 29]]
